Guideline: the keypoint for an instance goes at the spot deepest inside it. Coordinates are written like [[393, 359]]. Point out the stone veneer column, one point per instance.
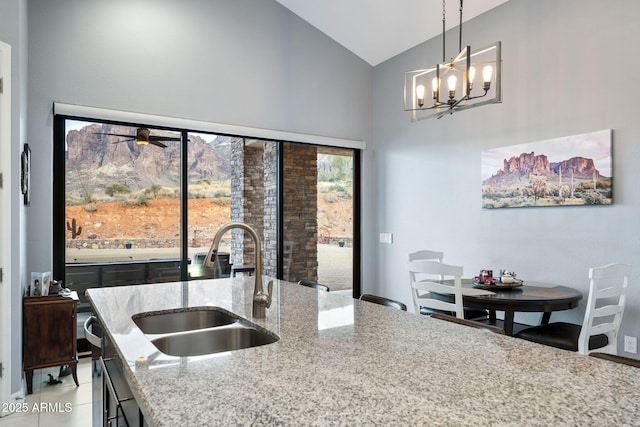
[[247, 196], [270, 160], [301, 209]]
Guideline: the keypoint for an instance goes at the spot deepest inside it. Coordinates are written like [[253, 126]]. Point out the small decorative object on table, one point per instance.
[[507, 276], [485, 277]]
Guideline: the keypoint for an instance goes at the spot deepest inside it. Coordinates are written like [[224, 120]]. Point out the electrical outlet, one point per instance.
[[630, 344]]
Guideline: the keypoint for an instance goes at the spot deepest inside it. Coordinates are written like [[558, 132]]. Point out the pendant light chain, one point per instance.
[[444, 13], [444, 19], [460, 37]]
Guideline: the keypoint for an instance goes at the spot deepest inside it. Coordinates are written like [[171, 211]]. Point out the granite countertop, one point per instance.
[[341, 361]]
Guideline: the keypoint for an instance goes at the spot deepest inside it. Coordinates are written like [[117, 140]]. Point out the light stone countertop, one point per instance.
[[341, 361]]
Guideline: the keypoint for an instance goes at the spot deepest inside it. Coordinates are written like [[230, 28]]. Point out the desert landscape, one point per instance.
[[157, 218]]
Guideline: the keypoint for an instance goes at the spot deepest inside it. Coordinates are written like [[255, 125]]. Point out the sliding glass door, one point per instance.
[[318, 215], [135, 204]]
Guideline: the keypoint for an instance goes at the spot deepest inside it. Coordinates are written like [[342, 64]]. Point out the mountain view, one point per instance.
[[117, 189], [532, 180], [96, 160]]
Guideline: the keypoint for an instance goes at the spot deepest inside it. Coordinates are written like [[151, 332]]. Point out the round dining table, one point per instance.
[[529, 297]]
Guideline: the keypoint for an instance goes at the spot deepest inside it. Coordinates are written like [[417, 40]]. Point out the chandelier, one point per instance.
[[459, 75]]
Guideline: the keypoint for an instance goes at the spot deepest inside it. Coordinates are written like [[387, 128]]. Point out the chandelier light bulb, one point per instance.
[[452, 81], [420, 95], [471, 76], [434, 84], [487, 72]]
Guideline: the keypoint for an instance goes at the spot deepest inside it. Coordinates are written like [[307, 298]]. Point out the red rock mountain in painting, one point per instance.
[[527, 164]]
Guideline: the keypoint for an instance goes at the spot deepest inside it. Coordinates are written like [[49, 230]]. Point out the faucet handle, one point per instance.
[[269, 293], [264, 299]]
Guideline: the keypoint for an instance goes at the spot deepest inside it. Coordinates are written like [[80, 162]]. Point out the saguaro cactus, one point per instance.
[[75, 231]]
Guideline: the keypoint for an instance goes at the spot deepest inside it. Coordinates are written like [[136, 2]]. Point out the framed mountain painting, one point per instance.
[[569, 171]]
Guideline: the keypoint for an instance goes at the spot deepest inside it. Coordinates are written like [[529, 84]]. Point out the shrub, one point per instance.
[[113, 189], [86, 192], [91, 208], [222, 201], [153, 190], [330, 198], [592, 198]]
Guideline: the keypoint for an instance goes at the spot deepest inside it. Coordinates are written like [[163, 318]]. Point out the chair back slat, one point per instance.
[[426, 254], [603, 328], [427, 286], [434, 267], [607, 310], [610, 292]]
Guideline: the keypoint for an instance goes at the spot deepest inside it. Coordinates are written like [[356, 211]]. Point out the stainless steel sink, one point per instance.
[[196, 331], [213, 340], [181, 320]]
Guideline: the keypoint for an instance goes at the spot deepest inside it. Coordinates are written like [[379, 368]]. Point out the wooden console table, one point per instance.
[[49, 334]]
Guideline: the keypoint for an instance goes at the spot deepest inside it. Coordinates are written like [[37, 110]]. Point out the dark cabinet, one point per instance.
[[120, 408], [49, 334]]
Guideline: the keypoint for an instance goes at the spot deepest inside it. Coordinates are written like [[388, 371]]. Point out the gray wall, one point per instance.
[[562, 61], [243, 62], [13, 31]]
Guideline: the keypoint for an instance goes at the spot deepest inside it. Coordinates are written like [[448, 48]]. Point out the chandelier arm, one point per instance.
[[466, 98], [435, 105], [478, 96]]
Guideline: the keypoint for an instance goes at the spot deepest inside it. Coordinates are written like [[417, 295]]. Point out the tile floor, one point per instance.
[[60, 404]]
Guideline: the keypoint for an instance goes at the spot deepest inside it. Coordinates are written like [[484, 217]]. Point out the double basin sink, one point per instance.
[[196, 331]]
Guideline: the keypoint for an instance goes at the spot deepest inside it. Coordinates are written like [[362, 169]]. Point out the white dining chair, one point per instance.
[[429, 255], [436, 272], [602, 317]]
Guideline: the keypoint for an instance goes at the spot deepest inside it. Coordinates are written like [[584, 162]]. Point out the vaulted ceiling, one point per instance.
[[377, 30]]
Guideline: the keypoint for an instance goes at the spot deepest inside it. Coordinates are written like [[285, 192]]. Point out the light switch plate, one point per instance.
[[386, 238]]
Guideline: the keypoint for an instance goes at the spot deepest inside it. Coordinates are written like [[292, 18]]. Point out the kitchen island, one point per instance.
[[341, 361]]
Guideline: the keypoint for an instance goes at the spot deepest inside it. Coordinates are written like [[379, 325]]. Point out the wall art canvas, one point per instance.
[[569, 171]]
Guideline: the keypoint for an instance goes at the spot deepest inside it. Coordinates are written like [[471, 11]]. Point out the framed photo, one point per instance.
[[25, 177], [573, 170], [39, 285]]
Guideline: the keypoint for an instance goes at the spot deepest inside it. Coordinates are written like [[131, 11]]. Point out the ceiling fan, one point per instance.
[[142, 137]]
